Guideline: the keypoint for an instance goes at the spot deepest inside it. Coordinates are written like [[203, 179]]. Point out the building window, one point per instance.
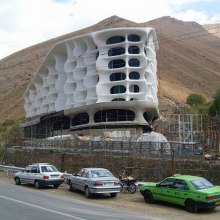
[[134, 62], [115, 40], [146, 117], [113, 64], [134, 38], [134, 50], [118, 89], [80, 119], [134, 88], [117, 76], [134, 75], [111, 115], [118, 99], [116, 51]]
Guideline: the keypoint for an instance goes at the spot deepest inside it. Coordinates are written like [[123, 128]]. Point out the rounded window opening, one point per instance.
[[134, 50], [147, 117], [118, 89], [118, 100], [80, 119], [134, 38], [134, 75], [113, 64], [115, 40], [111, 115], [116, 51], [134, 62], [117, 76], [134, 88]]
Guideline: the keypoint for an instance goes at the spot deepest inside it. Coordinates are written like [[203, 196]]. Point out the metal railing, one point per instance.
[[10, 170]]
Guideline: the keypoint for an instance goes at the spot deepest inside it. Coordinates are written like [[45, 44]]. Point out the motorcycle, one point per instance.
[[128, 184]]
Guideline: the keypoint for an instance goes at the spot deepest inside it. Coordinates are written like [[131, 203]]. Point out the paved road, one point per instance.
[[23, 203]]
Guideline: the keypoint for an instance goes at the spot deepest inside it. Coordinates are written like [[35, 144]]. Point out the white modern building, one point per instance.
[[104, 78]]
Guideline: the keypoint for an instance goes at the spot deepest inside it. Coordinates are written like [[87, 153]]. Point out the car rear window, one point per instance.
[[201, 183], [48, 168], [100, 173]]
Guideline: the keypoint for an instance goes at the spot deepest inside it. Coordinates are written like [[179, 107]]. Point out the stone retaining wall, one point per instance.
[[142, 168]]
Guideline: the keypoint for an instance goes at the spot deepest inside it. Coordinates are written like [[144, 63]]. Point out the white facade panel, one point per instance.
[[101, 67]]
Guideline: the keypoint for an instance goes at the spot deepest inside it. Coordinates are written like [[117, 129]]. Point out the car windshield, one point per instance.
[[49, 168], [101, 173], [201, 183]]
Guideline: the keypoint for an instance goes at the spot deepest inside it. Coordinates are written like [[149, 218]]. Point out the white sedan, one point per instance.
[[95, 181], [40, 174]]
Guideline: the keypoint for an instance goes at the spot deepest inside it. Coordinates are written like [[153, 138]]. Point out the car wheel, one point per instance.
[[36, 184], [17, 181], [87, 192], [148, 197], [132, 188], [113, 195], [191, 206], [71, 187], [56, 185]]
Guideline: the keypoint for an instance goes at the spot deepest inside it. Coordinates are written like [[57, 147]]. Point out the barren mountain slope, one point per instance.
[[213, 29], [186, 63], [188, 59]]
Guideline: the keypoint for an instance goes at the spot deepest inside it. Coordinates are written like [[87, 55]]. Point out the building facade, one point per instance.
[[104, 78]]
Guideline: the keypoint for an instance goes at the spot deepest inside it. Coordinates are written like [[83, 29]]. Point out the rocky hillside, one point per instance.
[[188, 61], [213, 29]]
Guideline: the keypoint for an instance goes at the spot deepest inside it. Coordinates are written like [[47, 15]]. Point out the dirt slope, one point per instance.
[[188, 61], [213, 29]]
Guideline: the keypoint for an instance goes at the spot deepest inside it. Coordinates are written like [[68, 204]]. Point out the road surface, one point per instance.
[[24, 203]]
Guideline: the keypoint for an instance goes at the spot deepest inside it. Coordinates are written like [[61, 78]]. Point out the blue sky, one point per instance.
[[24, 23], [211, 8]]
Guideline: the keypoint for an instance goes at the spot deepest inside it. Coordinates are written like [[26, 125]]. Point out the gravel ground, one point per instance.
[[130, 202]]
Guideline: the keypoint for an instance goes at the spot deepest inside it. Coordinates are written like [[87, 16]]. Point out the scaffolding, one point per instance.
[[188, 127], [212, 134], [196, 128]]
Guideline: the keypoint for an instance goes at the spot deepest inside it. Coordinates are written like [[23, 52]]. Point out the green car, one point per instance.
[[192, 192]]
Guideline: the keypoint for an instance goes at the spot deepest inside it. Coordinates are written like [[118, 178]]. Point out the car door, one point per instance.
[[83, 179], [24, 175], [76, 180], [181, 192], [34, 174], [165, 190]]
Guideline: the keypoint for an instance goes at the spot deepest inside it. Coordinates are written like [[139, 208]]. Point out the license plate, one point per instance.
[[54, 177], [108, 184], [217, 203]]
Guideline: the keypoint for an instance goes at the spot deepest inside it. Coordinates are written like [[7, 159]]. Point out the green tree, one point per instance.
[[10, 130], [214, 109], [195, 100]]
